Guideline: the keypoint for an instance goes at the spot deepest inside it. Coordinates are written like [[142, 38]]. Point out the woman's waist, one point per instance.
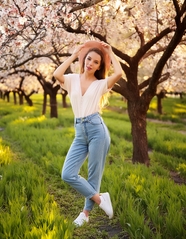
[[87, 118]]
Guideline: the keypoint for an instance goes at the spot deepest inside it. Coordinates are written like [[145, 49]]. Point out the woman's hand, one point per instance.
[[107, 48], [77, 50]]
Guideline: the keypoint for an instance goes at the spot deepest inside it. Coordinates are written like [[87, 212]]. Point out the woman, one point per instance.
[[91, 135]]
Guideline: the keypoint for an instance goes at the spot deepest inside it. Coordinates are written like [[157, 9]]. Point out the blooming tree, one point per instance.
[[138, 31], [31, 35]]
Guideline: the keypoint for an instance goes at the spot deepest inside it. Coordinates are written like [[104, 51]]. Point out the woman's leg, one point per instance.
[[98, 149], [70, 172], [74, 160], [92, 137]]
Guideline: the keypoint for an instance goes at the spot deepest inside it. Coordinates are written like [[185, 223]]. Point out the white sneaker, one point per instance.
[[106, 204], [81, 219]]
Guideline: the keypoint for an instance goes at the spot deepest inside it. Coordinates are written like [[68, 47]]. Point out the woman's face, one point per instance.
[[92, 62]]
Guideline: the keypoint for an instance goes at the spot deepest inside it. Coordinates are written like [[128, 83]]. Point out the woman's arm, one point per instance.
[[116, 65], [60, 71]]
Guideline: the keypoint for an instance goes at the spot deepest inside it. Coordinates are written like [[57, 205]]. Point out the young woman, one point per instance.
[[92, 139]]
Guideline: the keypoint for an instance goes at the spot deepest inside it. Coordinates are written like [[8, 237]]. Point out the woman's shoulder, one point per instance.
[[102, 81], [71, 76]]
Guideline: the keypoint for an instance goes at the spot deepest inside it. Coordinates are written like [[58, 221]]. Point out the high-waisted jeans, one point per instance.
[[92, 139]]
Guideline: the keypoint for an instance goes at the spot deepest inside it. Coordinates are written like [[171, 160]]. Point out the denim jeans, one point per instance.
[[91, 140]]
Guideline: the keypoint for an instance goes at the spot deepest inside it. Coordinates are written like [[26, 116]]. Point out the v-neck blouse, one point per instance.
[[87, 104]]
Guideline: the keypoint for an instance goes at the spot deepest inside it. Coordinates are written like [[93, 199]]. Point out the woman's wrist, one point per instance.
[[74, 56], [111, 52], [76, 52]]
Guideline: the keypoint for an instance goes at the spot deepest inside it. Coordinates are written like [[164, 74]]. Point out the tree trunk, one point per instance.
[[14, 96], [53, 106], [7, 95], [21, 100], [44, 103], [160, 96], [64, 102], [139, 134], [51, 90], [28, 100], [159, 104]]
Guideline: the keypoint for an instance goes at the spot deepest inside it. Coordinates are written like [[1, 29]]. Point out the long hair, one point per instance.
[[99, 74]]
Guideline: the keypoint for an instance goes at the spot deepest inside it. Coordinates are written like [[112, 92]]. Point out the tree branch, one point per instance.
[[120, 87], [177, 8], [163, 78], [84, 5], [119, 53], [141, 36], [183, 9], [152, 52], [154, 80], [143, 50], [38, 76]]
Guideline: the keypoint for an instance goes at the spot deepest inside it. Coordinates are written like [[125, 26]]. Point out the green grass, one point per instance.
[[36, 203], [174, 110]]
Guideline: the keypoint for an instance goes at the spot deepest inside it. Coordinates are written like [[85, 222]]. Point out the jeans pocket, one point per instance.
[[95, 120]]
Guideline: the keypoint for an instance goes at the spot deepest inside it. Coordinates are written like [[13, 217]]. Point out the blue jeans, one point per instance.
[[91, 140]]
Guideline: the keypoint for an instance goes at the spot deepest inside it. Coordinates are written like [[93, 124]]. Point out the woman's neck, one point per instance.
[[88, 77]]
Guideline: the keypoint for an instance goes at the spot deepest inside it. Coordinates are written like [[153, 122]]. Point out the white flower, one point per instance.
[[2, 29], [22, 20]]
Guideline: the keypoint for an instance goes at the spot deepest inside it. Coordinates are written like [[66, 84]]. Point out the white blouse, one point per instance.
[[87, 104]]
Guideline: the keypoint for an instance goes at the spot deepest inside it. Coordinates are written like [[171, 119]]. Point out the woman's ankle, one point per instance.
[[86, 213], [96, 199]]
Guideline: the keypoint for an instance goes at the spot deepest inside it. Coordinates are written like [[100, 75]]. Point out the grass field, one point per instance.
[[36, 204]]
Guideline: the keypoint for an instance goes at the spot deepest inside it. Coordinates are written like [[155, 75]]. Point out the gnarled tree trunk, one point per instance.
[[139, 134]]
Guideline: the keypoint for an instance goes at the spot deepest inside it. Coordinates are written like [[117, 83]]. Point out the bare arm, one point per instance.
[[60, 71], [116, 65]]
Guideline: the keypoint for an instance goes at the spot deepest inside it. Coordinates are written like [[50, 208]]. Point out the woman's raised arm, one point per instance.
[[116, 65], [60, 71]]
